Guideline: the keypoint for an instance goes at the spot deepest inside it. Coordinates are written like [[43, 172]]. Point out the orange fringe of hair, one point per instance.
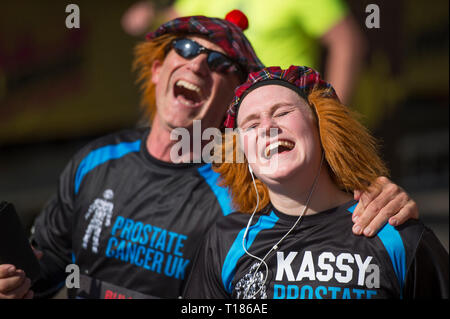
[[351, 154], [237, 178], [145, 53]]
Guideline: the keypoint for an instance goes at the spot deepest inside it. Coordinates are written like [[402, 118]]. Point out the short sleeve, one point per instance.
[[204, 281], [428, 274]]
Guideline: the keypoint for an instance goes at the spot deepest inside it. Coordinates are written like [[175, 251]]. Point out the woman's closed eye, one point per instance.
[[282, 113], [251, 126]]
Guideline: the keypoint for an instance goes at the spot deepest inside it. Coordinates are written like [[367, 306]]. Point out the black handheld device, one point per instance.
[[15, 248]]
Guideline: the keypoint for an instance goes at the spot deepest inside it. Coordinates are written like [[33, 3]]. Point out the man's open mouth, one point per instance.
[[278, 147], [188, 93]]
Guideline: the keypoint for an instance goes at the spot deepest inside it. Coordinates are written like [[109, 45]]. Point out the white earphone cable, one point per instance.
[[276, 246]]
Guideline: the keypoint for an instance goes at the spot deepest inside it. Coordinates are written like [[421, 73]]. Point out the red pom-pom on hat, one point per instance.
[[238, 18]]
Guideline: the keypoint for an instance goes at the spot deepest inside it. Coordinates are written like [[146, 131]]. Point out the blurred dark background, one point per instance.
[[60, 88]]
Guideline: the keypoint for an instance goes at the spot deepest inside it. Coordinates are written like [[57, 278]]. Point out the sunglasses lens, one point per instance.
[[218, 62], [189, 49], [186, 48]]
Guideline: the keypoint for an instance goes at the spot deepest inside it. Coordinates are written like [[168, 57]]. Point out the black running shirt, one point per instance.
[[130, 222], [321, 259]]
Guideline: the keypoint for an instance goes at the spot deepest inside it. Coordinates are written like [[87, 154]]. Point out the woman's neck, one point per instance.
[[292, 200]]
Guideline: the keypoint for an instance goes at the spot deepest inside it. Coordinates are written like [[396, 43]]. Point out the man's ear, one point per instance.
[[156, 69]]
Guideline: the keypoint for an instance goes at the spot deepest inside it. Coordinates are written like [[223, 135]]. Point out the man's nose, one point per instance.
[[199, 64]]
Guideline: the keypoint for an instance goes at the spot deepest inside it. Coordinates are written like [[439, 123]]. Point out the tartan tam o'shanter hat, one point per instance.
[[301, 79], [228, 34]]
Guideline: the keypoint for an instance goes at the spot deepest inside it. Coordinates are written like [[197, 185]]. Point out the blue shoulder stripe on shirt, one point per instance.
[[237, 251], [102, 155], [392, 241], [222, 194]]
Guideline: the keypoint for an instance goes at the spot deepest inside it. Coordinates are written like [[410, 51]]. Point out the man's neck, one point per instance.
[[162, 147], [159, 143]]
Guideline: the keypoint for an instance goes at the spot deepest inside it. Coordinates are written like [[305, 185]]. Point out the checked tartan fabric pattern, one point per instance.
[[300, 78], [225, 34]]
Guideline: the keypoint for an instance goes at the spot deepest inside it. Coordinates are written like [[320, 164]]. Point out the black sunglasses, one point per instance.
[[217, 61]]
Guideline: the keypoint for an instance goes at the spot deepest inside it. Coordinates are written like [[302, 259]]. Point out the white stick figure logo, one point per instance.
[[102, 209]]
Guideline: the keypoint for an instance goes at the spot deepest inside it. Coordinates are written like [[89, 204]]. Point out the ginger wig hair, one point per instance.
[[351, 154], [145, 53]]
